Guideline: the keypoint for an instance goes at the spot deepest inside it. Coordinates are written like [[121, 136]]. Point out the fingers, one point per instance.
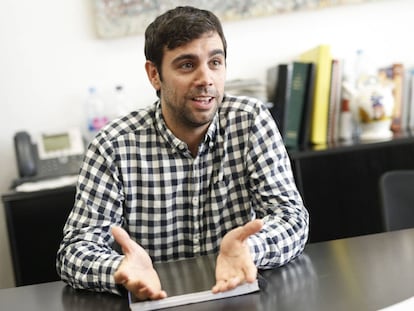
[[140, 289], [250, 228], [158, 295], [136, 272], [249, 275], [225, 285], [234, 263], [144, 293], [119, 234], [250, 272], [120, 277]]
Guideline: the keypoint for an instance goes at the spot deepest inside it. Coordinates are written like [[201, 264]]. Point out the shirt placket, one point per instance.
[[196, 206]]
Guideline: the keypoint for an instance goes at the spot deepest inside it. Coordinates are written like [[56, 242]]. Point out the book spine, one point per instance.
[[281, 95], [295, 107], [398, 80], [321, 56], [304, 137], [411, 100], [335, 101]]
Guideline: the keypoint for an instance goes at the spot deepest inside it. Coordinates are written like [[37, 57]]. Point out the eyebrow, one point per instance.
[[194, 56]]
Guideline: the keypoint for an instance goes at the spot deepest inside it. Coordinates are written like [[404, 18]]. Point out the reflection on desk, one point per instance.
[[362, 273]]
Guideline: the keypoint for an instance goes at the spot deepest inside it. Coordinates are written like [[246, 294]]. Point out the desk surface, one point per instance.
[[361, 273]]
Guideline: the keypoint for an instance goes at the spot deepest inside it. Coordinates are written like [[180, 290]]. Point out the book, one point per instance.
[[393, 76], [188, 281], [279, 79], [406, 100], [321, 56], [306, 123], [398, 80], [410, 99], [297, 109], [335, 101]]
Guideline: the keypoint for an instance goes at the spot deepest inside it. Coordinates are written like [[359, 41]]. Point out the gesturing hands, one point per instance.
[[234, 262], [136, 272]]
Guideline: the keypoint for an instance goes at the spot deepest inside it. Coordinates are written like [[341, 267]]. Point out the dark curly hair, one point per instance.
[[177, 27]]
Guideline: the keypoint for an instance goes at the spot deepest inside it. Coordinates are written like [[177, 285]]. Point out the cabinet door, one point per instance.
[[340, 188], [35, 223]]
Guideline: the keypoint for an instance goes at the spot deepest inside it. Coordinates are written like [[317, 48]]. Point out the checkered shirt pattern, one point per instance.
[[138, 175]]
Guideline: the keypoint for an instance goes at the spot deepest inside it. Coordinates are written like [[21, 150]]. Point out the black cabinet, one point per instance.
[[35, 222], [340, 185]]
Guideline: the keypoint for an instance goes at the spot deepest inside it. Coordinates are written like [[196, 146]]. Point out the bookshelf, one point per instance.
[[339, 184]]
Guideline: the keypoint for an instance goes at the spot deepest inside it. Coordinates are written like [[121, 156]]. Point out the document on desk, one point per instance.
[[51, 183], [188, 281], [404, 305]]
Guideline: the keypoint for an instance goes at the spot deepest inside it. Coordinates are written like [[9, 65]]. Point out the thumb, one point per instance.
[[250, 228], [123, 239]]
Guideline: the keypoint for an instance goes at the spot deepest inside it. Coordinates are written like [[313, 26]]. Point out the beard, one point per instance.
[[195, 109]]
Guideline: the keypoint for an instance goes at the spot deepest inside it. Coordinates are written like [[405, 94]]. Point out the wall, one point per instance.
[[49, 56]]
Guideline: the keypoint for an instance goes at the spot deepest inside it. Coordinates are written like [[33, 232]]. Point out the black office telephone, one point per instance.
[[55, 154]]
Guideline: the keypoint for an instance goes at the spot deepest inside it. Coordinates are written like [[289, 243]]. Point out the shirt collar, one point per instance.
[[166, 133]]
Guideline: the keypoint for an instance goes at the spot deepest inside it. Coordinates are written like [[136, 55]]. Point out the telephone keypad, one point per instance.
[[66, 165]]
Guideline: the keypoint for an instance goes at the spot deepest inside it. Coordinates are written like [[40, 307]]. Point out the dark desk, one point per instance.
[[360, 273]]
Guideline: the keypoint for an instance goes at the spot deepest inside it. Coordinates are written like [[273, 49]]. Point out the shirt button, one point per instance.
[[195, 200], [196, 249], [196, 242]]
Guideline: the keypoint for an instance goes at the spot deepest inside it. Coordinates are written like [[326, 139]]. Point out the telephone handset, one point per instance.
[[52, 155], [25, 155]]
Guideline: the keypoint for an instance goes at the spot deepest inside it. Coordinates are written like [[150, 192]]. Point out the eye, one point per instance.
[[187, 66], [216, 62]]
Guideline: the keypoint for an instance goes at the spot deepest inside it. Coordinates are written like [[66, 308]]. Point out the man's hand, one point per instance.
[[234, 262], [136, 272]]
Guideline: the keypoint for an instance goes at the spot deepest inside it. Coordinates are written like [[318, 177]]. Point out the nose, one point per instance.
[[204, 76]]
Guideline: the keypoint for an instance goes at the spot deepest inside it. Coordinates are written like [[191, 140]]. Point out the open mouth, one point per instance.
[[205, 100]]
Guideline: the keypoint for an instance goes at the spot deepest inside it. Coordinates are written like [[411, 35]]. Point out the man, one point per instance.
[[198, 172]]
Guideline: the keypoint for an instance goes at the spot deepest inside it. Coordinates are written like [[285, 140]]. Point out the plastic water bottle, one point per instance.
[[122, 104], [95, 113]]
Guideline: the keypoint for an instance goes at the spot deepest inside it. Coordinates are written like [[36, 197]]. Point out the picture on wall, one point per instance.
[[116, 18]]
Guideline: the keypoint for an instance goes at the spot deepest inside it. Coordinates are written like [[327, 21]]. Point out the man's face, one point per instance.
[[192, 83]]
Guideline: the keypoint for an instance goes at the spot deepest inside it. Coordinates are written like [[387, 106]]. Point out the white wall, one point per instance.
[[49, 56]]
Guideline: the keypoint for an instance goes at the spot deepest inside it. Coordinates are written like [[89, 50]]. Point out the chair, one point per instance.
[[397, 199]]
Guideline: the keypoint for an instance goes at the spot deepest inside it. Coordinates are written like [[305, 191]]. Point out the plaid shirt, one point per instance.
[[138, 175]]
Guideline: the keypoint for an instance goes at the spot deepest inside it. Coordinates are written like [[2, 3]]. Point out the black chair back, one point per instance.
[[397, 199]]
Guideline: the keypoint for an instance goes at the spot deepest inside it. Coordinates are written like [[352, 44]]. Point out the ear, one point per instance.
[[153, 75]]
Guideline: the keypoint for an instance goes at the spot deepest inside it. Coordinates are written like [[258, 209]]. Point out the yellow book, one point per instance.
[[322, 58]]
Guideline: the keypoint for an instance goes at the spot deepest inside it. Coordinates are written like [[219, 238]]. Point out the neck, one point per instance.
[[192, 137]]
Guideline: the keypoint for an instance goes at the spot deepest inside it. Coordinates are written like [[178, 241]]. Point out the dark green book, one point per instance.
[[299, 106]]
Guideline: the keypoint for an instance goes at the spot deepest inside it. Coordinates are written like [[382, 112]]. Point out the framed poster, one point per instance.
[[116, 18]]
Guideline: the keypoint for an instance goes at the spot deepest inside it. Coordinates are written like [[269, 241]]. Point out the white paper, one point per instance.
[[48, 183], [407, 304]]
